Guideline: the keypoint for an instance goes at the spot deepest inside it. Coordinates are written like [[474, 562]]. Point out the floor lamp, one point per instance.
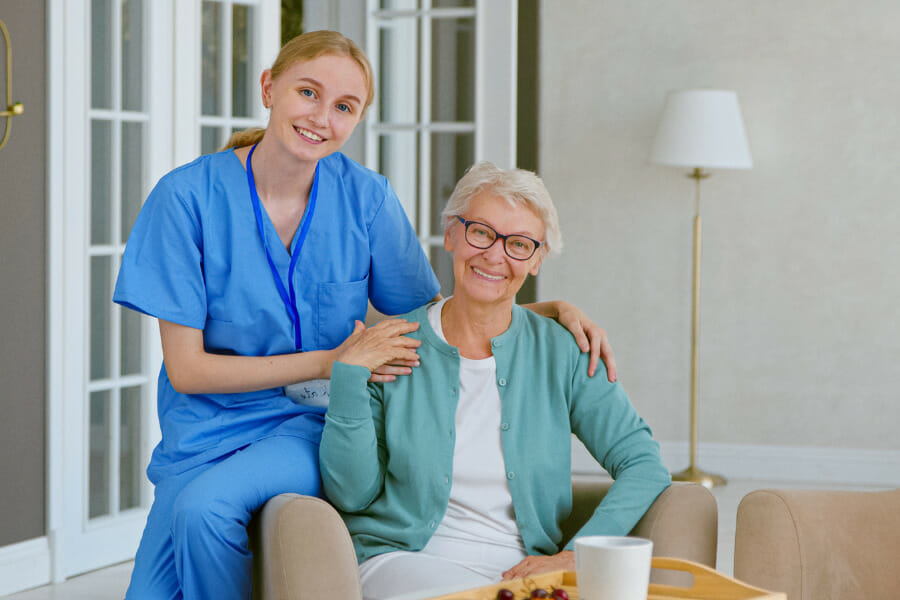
[[700, 129]]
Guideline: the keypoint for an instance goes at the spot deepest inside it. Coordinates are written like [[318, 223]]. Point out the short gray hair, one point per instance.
[[516, 186]]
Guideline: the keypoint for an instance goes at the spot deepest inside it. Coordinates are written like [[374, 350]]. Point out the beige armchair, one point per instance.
[[302, 550], [818, 545]]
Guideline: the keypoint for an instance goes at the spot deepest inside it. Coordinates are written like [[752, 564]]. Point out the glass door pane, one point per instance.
[[230, 87], [453, 68], [242, 79], [131, 467], [210, 52], [98, 455]]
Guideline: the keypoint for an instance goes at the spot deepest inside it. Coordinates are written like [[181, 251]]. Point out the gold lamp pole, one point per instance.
[[12, 110], [693, 472], [700, 129]]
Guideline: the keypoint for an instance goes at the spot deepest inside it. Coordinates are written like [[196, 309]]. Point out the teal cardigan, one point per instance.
[[387, 449]]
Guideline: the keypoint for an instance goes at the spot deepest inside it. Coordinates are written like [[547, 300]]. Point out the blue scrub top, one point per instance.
[[195, 257]]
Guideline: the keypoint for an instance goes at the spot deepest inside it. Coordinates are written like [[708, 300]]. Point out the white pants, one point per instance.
[[415, 575], [442, 567]]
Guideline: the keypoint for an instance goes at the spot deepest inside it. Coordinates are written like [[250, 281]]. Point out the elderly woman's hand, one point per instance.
[[533, 565], [380, 348], [588, 335]]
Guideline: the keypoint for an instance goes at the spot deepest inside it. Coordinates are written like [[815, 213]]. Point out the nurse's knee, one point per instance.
[[199, 509]]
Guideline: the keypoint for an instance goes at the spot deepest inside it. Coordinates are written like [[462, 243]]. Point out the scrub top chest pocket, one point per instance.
[[338, 305]]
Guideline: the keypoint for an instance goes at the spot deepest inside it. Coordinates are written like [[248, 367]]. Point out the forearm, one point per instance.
[[606, 421], [349, 457], [628, 499], [206, 373], [193, 370]]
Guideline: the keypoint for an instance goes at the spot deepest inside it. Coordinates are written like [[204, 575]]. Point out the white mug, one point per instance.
[[612, 567]]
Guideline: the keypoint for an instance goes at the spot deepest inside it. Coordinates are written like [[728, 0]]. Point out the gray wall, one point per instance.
[[22, 279], [800, 327]]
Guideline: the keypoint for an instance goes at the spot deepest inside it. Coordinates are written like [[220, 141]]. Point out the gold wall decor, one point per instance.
[[12, 110]]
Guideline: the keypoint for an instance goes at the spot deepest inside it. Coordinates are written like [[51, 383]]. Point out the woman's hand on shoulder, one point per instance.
[[533, 565], [589, 336], [382, 348]]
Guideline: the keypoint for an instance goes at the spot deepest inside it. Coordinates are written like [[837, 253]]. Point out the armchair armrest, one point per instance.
[[302, 551], [815, 544], [682, 521]]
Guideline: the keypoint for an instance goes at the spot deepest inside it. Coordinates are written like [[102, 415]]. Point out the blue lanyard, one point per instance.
[[289, 299]]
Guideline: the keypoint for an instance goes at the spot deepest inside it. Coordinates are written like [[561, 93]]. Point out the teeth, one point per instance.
[[309, 134], [483, 274]]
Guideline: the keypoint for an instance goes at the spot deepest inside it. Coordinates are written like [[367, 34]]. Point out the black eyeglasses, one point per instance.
[[481, 236]]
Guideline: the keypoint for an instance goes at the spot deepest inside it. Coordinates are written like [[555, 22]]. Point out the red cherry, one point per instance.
[[505, 594], [559, 595], [540, 593]]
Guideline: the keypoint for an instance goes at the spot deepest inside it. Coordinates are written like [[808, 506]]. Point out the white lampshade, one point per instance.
[[701, 128]]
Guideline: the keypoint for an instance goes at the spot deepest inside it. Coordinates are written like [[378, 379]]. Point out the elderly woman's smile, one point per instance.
[[491, 275]]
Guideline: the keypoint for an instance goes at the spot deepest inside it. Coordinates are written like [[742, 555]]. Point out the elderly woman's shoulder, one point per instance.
[[547, 330]]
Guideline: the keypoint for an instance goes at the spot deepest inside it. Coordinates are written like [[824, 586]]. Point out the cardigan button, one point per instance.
[[431, 524], [501, 381], [510, 475], [505, 426]]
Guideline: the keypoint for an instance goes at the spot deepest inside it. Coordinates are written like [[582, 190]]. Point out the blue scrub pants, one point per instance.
[[195, 543]]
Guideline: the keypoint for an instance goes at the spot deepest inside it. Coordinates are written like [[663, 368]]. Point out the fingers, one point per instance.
[[596, 346], [393, 327], [529, 566], [581, 338], [389, 372], [396, 369], [405, 363], [534, 565], [392, 352], [375, 378], [601, 349], [609, 360]]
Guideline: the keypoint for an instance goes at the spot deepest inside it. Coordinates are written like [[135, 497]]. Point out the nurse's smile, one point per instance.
[[309, 135]]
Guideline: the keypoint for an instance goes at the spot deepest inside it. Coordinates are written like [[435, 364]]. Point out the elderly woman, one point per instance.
[[460, 473]]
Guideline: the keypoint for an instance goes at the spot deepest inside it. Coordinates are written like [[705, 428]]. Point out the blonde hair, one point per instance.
[[516, 186], [308, 46]]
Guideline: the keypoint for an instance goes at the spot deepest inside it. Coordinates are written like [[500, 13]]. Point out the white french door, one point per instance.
[[445, 98], [121, 116]]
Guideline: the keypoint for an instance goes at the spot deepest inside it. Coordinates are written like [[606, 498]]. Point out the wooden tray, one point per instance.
[[708, 585]]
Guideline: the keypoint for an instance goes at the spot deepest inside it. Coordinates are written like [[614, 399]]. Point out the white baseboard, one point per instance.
[[24, 565], [879, 468]]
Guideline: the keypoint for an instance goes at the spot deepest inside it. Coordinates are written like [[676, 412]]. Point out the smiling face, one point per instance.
[[315, 104], [490, 276]]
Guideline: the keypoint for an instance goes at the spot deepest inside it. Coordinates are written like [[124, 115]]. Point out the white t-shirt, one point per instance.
[[480, 524]]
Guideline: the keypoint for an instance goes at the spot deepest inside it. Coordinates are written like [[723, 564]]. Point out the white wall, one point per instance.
[[800, 326]]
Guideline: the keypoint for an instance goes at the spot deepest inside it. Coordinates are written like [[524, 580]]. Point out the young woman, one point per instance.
[[256, 261]]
